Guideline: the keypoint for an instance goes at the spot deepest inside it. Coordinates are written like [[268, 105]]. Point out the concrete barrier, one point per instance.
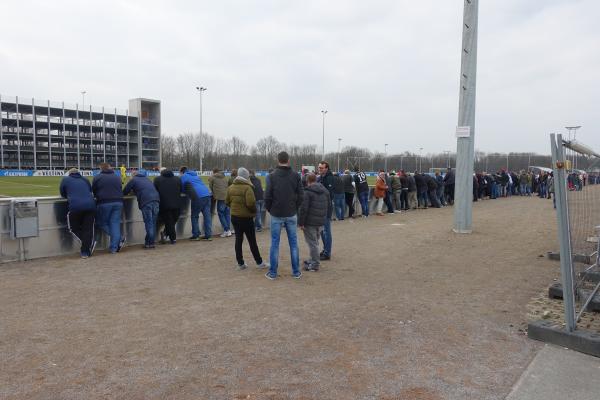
[[54, 238]]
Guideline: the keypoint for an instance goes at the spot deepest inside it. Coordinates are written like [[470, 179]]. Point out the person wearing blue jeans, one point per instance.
[[108, 219], [201, 205], [339, 200], [363, 198], [200, 197], [106, 187], [290, 224], [283, 197], [224, 217], [260, 207], [148, 202]]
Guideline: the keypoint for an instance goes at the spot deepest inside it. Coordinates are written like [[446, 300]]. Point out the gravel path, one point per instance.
[[404, 310]]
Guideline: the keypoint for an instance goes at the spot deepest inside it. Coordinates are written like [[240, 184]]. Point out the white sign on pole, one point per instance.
[[463, 131]]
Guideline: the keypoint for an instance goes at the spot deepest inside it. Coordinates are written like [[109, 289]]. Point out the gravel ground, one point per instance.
[[404, 310]]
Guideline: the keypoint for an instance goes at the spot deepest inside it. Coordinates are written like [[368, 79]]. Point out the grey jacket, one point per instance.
[[316, 206]]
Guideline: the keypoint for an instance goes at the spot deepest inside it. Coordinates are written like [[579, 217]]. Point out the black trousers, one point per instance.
[[245, 226], [81, 225], [169, 217], [404, 199], [350, 204]]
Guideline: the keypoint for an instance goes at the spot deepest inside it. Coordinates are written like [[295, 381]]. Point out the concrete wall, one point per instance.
[[54, 239]]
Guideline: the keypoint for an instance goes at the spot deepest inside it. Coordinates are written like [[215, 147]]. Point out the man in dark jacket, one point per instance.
[[421, 183], [311, 218], [82, 209], [148, 203], [326, 179], [109, 199], [260, 200], [169, 189], [449, 181], [349, 192], [283, 197], [403, 190], [432, 191], [412, 192], [362, 190]]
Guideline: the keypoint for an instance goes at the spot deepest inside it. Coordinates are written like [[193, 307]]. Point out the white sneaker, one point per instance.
[[263, 265], [228, 233], [224, 234]]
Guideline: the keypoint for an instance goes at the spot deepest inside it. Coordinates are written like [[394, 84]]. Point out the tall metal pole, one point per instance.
[[420, 160], [385, 162], [83, 99], [507, 162], [564, 236], [573, 131], [447, 158], [201, 89], [323, 150], [339, 142], [463, 207]]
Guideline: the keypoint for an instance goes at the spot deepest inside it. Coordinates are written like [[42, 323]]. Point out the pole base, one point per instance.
[[578, 340]]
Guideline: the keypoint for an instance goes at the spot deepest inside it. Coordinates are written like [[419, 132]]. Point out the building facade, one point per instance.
[[45, 135]]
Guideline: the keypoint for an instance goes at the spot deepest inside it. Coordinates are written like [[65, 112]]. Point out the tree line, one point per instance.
[[229, 153]]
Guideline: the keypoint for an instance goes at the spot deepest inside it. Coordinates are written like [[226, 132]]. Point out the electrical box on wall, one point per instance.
[[24, 220]]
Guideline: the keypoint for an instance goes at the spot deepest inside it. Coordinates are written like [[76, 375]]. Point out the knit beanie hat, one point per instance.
[[243, 173]]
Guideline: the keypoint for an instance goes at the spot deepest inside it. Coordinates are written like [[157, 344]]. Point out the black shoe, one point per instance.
[[324, 257]]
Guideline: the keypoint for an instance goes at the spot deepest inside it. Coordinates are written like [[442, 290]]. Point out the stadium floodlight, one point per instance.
[[201, 89], [323, 150]]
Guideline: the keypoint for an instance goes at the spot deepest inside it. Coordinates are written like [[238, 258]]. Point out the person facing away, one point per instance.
[[148, 202], [283, 197], [349, 192], [380, 192], [240, 197], [200, 198], [362, 190], [109, 199], [339, 196], [260, 200], [218, 184], [312, 215], [169, 190], [81, 208]]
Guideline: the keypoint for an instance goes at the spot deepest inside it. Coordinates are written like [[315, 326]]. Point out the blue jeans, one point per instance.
[[326, 237], [260, 206], [339, 200], [423, 199], [440, 195], [150, 214], [108, 219], [523, 189], [223, 212], [201, 205], [363, 198], [290, 224]]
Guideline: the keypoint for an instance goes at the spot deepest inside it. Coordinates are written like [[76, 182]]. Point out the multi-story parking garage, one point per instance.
[[38, 134]]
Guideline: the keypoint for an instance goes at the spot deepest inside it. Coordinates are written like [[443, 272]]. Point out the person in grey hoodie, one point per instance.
[[312, 216]]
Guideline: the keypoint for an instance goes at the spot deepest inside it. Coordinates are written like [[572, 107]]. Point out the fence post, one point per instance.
[[564, 237]]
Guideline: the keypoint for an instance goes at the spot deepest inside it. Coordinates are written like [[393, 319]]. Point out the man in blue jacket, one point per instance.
[[109, 199], [148, 202], [82, 209], [200, 198]]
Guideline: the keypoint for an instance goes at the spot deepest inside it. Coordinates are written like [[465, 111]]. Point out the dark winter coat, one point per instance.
[[412, 184], [338, 185], [431, 184], [258, 189], [360, 180], [169, 190], [348, 187], [78, 192], [449, 178], [284, 191], [143, 188], [327, 181], [421, 183], [316, 206], [107, 187]]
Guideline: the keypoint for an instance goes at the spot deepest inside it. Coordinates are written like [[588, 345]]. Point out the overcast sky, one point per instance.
[[387, 71]]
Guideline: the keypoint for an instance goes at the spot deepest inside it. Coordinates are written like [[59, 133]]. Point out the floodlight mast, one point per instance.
[[465, 147]]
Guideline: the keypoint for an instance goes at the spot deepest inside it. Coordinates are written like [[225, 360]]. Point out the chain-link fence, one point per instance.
[[577, 197]]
